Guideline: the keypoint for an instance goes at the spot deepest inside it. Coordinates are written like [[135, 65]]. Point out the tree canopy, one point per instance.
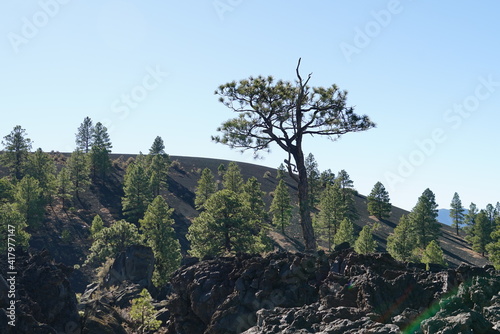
[[285, 113]]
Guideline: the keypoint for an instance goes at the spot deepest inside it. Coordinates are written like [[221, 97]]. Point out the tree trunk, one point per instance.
[[304, 209]]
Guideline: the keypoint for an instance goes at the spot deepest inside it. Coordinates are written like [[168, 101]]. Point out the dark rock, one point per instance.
[[344, 292], [45, 301], [135, 264]]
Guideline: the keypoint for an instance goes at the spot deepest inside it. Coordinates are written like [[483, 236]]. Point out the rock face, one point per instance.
[[130, 272], [46, 302], [341, 293]]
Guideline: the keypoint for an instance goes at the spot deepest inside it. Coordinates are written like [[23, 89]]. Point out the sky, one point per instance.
[[426, 72]]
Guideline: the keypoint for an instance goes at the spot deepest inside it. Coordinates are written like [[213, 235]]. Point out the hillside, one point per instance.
[[105, 200]]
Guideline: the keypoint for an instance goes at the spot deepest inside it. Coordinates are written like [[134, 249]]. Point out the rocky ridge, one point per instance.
[[343, 292]]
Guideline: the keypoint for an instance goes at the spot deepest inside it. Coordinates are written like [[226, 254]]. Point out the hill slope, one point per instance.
[[105, 200], [182, 186]]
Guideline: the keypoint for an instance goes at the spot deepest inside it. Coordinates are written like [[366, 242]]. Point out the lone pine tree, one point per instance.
[[285, 113], [457, 212], [379, 203], [85, 135]]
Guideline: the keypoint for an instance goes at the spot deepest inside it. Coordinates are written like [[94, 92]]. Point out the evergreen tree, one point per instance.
[[159, 162], [378, 202], [280, 172], [253, 196], [326, 177], [482, 232], [402, 242], [158, 170], [491, 214], [28, 200], [424, 219], [345, 233], [433, 254], [285, 113], [16, 150], [365, 243], [160, 236], [79, 171], [223, 228], [85, 135], [97, 226], [143, 313], [221, 170], [470, 221], [112, 240], [42, 167], [64, 186], [281, 207], [493, 248], [206, 188], [232, 179], [346, 198], [313, 179], [137, 190], [332, 212], [99, 154], [7, 191], [158, 147], [457, 212], [12, 225]]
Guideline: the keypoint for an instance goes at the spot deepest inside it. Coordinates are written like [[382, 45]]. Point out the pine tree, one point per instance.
[[482, 232], [313, 179], [143, 313], [158, 147], [470, 221], [253, 197], [232, 179], [42, 167], [13, 225], [7, 191], [29, 202], [332, 212], [137, 190], [79, 171], [97, 226], [347, 199], [160, 236], [85, 135], [345, 233], [493, 248], [16, 150], [206, 188], [158, 170], [326, 177], [424, 219], [281, 207], [112, 240], [457, 212], [433, 254], [281, 172], [99, 154], [490, 213], [365, 243], [223, 228], [378, 202], [64, 186], [159, 162], [402, 242]]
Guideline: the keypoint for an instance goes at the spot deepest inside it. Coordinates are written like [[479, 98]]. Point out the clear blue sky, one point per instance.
[[427, 72]]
